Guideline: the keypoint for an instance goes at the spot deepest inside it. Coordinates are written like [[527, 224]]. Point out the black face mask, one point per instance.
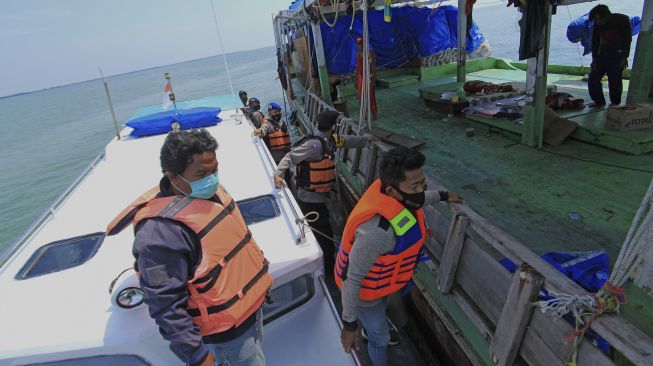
[[412, 201], [276, 117]]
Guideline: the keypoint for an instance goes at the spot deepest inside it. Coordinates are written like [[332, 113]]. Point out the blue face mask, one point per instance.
[[203, 188]]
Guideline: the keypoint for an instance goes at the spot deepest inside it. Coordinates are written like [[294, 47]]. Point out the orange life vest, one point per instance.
[[392, 270], [279, 140], [231, 281], [317, 176]]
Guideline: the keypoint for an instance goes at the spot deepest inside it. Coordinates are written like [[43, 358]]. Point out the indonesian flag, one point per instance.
[[168, 97]]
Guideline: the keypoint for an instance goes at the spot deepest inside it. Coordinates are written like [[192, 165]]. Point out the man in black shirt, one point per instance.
[[611, 40]]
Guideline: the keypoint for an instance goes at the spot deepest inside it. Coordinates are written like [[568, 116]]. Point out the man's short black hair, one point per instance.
[[179, 147], [326, 120], [396, 162], [599, 10]]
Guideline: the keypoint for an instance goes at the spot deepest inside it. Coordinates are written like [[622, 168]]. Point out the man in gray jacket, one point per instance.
[[381, 245], [315, 175]]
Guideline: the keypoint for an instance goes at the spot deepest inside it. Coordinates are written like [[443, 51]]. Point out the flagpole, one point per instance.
[[113, 113], [172, 93]]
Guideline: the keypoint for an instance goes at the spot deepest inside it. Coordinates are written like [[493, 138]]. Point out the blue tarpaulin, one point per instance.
[[580, 30], [161, 122], [413, 32]]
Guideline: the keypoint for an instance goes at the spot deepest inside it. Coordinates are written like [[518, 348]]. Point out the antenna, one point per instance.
[[220, 46], [113, 113]]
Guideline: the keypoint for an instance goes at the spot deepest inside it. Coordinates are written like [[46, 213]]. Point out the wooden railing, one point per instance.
[[498, 303]]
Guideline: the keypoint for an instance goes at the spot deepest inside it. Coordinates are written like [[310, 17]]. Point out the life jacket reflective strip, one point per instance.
[[231, 281], [279, 139], [392, 270], [317, 176]]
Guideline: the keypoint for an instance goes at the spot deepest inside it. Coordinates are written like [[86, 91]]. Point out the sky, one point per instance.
[[46, 43]]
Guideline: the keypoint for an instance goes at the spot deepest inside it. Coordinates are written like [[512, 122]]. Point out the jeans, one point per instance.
[[611, 65], [245, 350], [378, 332]]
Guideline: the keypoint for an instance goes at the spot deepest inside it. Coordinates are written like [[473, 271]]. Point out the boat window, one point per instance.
[[105, 360], [259, 209], [288, 297], [60, 255]]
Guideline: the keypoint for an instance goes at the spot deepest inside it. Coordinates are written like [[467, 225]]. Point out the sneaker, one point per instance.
[[394, 336]]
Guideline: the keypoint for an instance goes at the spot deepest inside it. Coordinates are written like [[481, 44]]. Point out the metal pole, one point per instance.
[[224, 57], [462, 41], [113, 113]]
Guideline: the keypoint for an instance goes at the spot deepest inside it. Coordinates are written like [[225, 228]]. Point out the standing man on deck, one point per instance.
[[381, 245], [205, 279], [611, 40], [256, 116], [315, 175]]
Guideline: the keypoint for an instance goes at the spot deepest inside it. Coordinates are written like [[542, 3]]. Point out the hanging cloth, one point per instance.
[[532, 28]]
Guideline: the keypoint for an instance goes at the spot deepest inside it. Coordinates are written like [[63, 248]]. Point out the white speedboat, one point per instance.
[[57, 307]]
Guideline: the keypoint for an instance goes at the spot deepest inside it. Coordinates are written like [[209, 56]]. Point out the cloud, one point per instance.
[[8, 17]]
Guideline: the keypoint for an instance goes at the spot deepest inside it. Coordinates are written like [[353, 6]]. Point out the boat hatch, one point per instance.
[[259, 209], [105, 360], [288, 297], [60, 255]]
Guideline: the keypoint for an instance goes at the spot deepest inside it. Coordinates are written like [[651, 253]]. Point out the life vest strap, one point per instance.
[[227, 304], [216, 220], [212, 276]]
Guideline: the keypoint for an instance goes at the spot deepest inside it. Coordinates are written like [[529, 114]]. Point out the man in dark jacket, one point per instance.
[[611, 40], [168, 252]]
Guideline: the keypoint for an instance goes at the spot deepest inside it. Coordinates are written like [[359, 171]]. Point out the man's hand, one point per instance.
[[258, 132], [278, 182], [350, 339], [371, 138], [208, 361], [455, 197]]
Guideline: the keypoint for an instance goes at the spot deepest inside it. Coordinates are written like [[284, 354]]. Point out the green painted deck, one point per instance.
[[528, 192]]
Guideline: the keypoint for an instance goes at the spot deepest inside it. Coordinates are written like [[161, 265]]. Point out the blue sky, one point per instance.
[[49, 43]]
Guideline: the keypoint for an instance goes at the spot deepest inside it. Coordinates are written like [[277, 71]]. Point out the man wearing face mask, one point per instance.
[[274, 132], [204, 277], [256, 116], [315, 176], [381, 245]]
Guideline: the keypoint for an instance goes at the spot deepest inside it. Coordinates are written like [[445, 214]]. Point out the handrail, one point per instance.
[[50, 211]]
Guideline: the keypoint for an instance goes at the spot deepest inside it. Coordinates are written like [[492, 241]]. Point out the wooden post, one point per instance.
[[641, 76], [462, 41], [536, 89], [452, 250], [515, 315], [321, 63]]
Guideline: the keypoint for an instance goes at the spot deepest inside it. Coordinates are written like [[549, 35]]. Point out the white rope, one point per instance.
[[365, 109], [305, 221], [334, 4]]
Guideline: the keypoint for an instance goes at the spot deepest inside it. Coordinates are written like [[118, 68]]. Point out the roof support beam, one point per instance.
[[462, 41], [536, 89], [641, 76]]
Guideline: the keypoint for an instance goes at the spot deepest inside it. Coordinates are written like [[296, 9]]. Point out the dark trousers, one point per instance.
[[324, 226], [611, 65]]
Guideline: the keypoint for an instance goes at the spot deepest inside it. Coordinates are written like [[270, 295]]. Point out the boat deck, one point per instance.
[[572, 197]]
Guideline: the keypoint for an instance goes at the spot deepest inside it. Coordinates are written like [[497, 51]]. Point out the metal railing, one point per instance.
[[47, 214]]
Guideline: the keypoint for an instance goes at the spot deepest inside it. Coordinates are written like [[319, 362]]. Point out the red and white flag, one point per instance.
[[168, 97]]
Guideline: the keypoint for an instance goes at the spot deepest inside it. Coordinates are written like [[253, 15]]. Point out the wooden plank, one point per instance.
[[397, 138], [453, 247], [624, 336], [516, 315], [484, 282]]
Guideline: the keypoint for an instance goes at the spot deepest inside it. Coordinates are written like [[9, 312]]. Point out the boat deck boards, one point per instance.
[[530, 193]]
